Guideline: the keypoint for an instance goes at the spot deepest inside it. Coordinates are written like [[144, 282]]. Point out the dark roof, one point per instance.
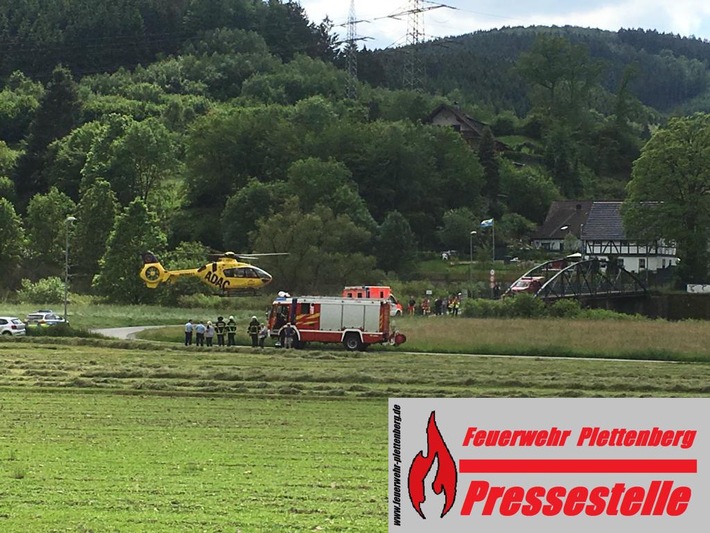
[[568, 214], [472, 123], [473, 127], [604, 223]]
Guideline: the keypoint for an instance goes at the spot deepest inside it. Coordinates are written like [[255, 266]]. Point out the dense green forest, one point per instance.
[[665, 72], [181, 126]]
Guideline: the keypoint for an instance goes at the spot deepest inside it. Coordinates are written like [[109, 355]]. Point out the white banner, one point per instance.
[[552, 465]]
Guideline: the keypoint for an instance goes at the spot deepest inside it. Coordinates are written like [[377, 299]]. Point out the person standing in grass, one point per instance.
[[253, 331], [209, 333], [188, 333], [411, 305], [200, 334], [231, 332], [263, 333], [220, 328], [289, 333]]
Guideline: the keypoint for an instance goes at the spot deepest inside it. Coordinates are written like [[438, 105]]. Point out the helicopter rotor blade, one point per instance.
[[266, 254], [216, 255]]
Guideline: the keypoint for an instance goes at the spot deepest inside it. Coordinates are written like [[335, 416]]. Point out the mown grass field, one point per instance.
[[623, 339], [104, 435]]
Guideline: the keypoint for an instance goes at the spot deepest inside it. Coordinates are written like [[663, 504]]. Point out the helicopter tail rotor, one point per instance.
[[152, 272]]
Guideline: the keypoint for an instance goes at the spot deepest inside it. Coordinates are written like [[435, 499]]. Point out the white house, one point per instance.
[[603, 236], [596, 230]]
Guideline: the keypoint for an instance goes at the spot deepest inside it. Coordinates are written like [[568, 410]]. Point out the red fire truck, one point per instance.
[[356, 323]]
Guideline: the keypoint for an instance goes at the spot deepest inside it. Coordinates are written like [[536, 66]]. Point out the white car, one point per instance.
[[44, 317], [11, 325]]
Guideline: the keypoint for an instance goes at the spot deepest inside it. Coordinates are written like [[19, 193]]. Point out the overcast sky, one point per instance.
[[682, 17]]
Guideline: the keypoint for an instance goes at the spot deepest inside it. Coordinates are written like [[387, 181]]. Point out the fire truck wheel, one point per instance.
[[352, 342]]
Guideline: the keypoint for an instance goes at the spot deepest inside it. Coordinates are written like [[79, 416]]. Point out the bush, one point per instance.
[[527, 306], [44, 291], [606, 314], [60, 330], [523, 306], [565, 308], [480, 308]]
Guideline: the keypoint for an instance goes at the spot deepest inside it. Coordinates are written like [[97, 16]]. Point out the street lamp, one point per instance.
[[470, 259], [67, 222]]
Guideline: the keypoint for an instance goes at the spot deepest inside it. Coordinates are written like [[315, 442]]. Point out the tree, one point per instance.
[[95, 217], [328, 183], [325, 251], [18, 102], [68, 156], [136, 231], [135, 157], [529, 191], [669, 193], [457, 226], [243, 211], [12, 244], [565, 73], [489, 161], [396, 245], [46, 231], [57, 114]]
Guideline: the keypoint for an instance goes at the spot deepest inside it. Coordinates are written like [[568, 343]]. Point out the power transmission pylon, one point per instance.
[[413, 69], [351, 53]]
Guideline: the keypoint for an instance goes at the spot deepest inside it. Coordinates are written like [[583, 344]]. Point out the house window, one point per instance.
[[620, 262], [642, 264]]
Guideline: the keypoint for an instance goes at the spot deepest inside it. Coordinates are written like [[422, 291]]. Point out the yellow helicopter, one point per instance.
[[227, 273]]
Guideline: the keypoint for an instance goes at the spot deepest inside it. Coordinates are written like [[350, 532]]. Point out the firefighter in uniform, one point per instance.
[[220, 327], [253, 331], [231, 332]]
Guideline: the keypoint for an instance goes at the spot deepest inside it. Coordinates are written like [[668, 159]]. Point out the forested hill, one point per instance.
[[670, 73], [94, 36], [172, 125]]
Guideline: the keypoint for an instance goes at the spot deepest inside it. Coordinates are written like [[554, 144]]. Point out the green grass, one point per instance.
[[104, 435], [618, 339], [90, 315], [105, 462], [108, 435]]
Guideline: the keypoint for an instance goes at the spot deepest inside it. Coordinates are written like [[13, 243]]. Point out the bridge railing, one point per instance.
[[568, 278]]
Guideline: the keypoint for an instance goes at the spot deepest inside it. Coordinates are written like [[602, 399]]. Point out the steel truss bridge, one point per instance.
[[585, 280]]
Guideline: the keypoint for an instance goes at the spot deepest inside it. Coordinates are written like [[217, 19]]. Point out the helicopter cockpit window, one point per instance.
[[258, 273], [230, 272]]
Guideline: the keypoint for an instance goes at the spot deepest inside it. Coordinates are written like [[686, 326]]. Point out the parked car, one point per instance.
[[44, 317], [11, 325]]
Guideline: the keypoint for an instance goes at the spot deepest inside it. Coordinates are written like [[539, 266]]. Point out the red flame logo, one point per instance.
[[445, 480]]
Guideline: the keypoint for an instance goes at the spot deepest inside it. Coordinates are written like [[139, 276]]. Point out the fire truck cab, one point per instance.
[[356, 323], [375, 291]]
